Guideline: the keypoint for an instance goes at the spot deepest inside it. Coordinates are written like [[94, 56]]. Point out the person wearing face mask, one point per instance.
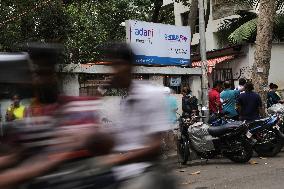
[[16, 111]]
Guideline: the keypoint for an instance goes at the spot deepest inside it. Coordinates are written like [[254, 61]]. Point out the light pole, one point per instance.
[[204, 79]]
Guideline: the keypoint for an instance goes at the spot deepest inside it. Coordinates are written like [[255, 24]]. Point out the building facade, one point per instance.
[[240, 65]]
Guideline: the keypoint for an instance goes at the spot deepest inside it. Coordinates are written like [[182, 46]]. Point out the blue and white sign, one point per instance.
[[159, 44], [175, 81]]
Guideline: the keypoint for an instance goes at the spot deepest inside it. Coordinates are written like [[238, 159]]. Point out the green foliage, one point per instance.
[[244, 28], [244, 33], [31, 21], [226, 31], [81, 25]]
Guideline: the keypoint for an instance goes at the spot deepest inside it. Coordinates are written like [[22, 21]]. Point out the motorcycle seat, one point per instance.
[[260, 121], [224, 129]]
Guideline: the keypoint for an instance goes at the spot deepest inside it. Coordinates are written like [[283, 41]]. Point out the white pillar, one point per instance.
[[195, 86], [70, 84]]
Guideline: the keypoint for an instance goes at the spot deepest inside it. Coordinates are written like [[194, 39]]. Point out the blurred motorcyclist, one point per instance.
[[138, 132]]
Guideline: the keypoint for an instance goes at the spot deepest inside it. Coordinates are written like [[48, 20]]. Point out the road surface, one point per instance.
[[261, 173]]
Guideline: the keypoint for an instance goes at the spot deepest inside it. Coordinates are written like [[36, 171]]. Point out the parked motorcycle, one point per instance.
[[229, 140], [266, 134]]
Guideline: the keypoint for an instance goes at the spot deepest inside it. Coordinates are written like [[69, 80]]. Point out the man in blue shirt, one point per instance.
[[249, 104], [229, 99], [172, 106]]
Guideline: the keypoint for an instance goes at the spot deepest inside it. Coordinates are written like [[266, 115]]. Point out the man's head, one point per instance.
[[227, 85], [218, 85], [249, 87], [121, 57], [275, 87], [16, 100], [185, 91], [242, 81], [271, 85]]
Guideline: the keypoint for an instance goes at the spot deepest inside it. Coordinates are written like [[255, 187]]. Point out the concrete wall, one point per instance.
[[277, 66], [110, 107], [70, 84]]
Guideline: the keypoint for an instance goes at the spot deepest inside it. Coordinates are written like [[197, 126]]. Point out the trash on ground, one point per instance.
[[195, 173], [252, 162]]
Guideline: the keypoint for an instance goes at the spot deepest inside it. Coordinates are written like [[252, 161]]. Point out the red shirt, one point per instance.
[[214, 101]]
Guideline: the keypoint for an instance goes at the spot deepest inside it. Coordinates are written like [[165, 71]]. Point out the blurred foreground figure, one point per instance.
[[16, 166], [138, 132], [55, 133]]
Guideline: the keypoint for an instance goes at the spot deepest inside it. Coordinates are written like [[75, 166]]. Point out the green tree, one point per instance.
[[263, 28], [24, 21], [81, 25], [244, 28]]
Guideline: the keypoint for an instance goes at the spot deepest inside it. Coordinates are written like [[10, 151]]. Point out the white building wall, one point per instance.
[[212, 27], [166, 2], [277, 66], [156, 80], [245, 64], [276, 63]]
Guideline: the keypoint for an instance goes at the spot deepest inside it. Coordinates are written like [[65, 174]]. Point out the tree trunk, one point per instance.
[[192, 16], [262, 56], [157, 8]]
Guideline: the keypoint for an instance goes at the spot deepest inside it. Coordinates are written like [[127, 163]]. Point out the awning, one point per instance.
[[212, 62], [217, 56]]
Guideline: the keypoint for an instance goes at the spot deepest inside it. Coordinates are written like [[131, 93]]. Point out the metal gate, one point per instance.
[[222, 74]]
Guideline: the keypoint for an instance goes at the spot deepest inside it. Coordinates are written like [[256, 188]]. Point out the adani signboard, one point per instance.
[[159, 44]]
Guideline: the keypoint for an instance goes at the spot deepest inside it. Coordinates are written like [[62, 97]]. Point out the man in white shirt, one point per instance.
[[138, 131]]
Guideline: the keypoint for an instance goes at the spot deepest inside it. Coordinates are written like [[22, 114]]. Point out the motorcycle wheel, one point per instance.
[[244, 154], [182, 151], [268, 151]]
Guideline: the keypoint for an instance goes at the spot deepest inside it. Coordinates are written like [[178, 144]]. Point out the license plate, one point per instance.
[[249, 135]]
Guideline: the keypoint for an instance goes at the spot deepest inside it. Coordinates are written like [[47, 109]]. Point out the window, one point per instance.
[[176, 83], [185, 17], [89, 83]]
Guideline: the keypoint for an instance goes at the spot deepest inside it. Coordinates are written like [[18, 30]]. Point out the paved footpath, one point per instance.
[[261, 173]]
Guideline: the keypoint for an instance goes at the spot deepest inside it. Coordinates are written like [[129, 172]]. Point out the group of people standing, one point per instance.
[[240, 103]]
